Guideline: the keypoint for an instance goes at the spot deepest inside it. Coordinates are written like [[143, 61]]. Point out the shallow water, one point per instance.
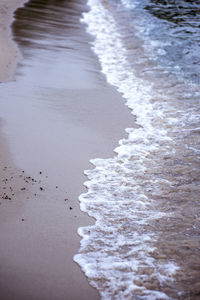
[[145, 243]]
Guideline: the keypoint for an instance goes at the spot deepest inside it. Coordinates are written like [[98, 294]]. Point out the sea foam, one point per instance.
[[119, 252]]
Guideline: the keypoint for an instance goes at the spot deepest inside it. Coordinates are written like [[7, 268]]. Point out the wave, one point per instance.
[[130, 195]]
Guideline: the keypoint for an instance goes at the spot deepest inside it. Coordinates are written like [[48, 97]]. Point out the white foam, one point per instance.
[[129, 4], [120, 243]]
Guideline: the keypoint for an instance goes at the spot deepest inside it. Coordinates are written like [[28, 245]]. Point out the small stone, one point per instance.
[[22, 220], [40, 172], [56, 186], [41, 188], [23, 189], [70, 208]]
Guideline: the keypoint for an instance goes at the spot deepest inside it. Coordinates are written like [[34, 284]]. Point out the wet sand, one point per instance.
[[55, 117], [8, 49]]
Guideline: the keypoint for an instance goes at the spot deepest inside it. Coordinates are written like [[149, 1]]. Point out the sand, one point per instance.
[[41, 169], [9, 53], [38, 240]]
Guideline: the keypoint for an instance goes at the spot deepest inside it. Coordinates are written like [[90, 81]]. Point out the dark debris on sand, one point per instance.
[[16, 182]]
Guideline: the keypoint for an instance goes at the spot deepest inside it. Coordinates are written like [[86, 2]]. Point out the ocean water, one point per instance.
[[145, 243]]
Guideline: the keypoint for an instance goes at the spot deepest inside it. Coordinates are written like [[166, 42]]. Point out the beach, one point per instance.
[[99, 143], [50, 129]]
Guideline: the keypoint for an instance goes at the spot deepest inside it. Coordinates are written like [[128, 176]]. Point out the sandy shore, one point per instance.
[[39, 211], [9, 53], [37, 238]]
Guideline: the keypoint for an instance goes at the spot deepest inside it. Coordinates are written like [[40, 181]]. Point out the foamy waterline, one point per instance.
[[117, 253]]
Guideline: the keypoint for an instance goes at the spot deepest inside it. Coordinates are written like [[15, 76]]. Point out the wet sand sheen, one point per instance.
[[9, 53], [58, 114]]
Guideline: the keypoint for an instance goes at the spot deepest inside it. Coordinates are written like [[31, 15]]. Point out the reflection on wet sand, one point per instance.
[[57, 114]]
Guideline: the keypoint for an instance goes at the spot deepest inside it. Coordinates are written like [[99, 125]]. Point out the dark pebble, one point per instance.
[[70, 208]]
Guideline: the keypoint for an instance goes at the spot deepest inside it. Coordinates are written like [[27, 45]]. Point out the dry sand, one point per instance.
[[39, 210]]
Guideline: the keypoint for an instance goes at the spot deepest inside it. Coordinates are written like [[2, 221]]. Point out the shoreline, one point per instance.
[[44, 168], [24, 274], [10, 54]]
